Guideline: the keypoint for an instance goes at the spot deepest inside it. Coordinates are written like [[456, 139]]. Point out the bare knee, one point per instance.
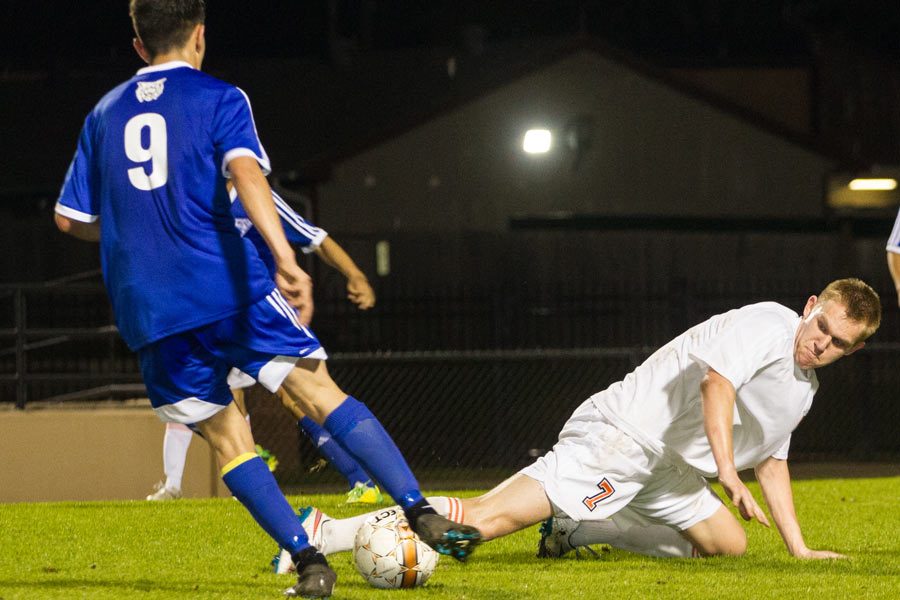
[[310, 386], [732, 545], [718, 535]]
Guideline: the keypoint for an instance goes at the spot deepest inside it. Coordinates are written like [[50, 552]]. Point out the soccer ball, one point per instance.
[[388, 554]]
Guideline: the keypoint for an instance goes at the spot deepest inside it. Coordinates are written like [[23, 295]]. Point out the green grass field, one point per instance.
[[212, 549]]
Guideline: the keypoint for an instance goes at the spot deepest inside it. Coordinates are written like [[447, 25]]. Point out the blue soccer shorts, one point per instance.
[[186, 373]]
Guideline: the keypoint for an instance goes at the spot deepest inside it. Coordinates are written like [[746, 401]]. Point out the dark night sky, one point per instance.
[[44, 33]]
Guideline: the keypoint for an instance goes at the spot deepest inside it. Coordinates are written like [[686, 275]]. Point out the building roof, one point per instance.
[[377, 97], [311, 114]]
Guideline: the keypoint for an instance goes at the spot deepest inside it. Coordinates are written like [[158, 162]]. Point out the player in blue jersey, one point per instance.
[[310, 239], [893, 255], [193, 299]]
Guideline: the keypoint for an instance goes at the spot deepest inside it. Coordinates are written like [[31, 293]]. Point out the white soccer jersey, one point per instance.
[[893, 244], [659, 403]]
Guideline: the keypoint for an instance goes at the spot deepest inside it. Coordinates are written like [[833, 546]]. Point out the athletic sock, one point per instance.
[[176, 442], [345, 464], [634, 535], [339, 534], [360, 433], [251, 482]]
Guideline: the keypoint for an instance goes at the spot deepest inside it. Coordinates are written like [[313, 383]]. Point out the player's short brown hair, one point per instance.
[[163, 25], [861, 301]]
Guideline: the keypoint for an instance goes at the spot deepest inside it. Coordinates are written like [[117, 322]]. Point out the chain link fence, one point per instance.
[[475, 374], [470, 418]]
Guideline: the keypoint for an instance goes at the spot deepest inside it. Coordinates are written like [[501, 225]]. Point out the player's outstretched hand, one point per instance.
[[744, 501], [806, 553], [296, 286], [360, 293]]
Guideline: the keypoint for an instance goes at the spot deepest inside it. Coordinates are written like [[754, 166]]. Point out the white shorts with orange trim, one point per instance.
[[595, 470]]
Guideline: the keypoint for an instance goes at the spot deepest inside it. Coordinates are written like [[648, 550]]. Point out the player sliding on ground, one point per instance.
[[193, 299], [629, 467], [310, 239]]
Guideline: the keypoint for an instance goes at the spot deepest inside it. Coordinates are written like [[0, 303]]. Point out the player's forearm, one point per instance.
[[775, 480], [256, 197], [718, 398], [89, 232], [335, 257], [893, 261]]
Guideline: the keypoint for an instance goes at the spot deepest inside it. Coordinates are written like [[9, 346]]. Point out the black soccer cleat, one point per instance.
[[446, 537], [315, 579]]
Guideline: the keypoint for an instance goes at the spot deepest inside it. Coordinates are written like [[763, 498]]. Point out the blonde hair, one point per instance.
[[860, 300]]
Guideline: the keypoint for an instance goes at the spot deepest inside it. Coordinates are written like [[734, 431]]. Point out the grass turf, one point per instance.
[[212, 549]]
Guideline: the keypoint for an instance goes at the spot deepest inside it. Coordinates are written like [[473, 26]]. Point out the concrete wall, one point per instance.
[[88, 453]]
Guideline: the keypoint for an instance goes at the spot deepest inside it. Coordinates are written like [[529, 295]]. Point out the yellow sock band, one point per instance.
[[238, 461]]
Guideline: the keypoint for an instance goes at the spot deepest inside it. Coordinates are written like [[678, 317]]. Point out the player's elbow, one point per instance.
[[62, 223], [89, 232]]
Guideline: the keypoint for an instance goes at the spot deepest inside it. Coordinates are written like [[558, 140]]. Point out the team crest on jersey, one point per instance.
[[243, 225], [606, 490], [147, 91]]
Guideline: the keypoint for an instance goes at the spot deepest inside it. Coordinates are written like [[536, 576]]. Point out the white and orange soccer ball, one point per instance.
[[388, 554]]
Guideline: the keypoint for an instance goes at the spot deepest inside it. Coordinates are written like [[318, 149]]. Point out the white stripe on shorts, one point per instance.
[[287, 313], [272, 374], [187, 411], [237, 379], [291, 312]]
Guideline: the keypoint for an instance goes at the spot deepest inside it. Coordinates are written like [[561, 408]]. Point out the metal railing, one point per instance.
[[60, 367], [508, 403]]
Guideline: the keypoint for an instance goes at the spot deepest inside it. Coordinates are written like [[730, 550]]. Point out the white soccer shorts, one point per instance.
[[595, 470]]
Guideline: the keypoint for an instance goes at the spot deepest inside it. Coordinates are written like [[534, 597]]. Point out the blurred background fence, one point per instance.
[[470, 418], [474, 376]]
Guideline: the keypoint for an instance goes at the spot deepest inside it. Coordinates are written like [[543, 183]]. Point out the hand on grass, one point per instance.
[[742, 498], [808, 554]]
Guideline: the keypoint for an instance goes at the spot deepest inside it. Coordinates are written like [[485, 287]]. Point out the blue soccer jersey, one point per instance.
[[298, 230], [151, 165]]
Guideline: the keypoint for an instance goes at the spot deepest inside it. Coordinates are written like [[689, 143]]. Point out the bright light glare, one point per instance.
[[537, 141], [868, 185]]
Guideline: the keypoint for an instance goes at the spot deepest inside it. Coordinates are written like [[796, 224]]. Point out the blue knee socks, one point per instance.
[[360, 433], [251, 482], [345, 464]]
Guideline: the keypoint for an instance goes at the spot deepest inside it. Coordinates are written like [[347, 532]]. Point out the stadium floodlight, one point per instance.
[[873, 189], [537, 141], [871, 184]]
